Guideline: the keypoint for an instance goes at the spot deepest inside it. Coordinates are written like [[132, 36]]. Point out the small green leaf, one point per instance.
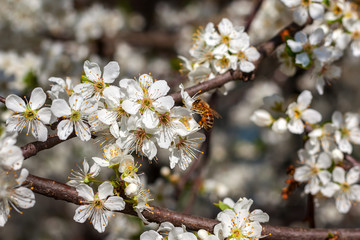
[[222, 205]]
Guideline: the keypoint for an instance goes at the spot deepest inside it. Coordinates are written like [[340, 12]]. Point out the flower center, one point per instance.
[[75, 115], [98, 203], [236, 233], [226, 40], [297, 113], [29, 114], [241, 55], [345, 187], [164, 119], [356, 35], [305, 2], [345, 132], [99, 85], [307, 47], [337, 10], [223, 62], [120, 112]]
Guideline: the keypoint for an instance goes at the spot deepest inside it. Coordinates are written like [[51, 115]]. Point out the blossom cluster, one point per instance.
[[101, 206], [137, 114], [337, 28], [326, 147], [216, 50], [136, 117], [236, 222], [12, 194]]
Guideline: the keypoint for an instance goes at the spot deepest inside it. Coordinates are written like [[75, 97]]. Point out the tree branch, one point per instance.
[[31, 149], [59, 191]]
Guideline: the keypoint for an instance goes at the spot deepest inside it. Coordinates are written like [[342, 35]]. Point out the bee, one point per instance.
[[207, 114]]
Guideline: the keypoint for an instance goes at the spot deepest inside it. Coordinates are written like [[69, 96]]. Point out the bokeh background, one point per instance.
[[43, 38]]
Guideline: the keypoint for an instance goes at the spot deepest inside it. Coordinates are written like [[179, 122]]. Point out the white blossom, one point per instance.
[[11, 156], [75, 116], [238, 222], [314, 171], [146, 97], [98, 207], [347, 130], [29, 114], [344, 188], [299, 112], [84, 174], [13, 195], [94, 84], [184, 149]]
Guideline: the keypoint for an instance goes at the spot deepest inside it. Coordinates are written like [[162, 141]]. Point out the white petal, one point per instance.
[[324, 176], [246, 66], [82, 213], [111, 72], [345, 146], [60, 108], [105, 189], [316, 37], [311, 116], [64, 129], [146, 80], [100, 220], [44, 115], [329, 189], [82, 131], [252, 54], [164, 104], [300, 15], [115, 203], [37, 99], [85, 192], [158, 89], [150, 235], [149, 149], [150, 119], [343, 204], [316, 10], [15, 103], [261, 118], [353, 175], [101, 162], [302, 59], [259, 215], [302, 174], [39, 131], [131, 107], [336, 118], [106, 116], [339, 175], [304, 99], [92, 71], [323, 54], [296, 126], [225, 26], [295, 46], [25, 198]]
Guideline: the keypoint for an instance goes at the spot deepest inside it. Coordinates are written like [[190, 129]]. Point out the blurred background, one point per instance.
[[44, 38]]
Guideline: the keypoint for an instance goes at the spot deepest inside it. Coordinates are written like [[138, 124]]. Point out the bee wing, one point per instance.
[[216, 114]]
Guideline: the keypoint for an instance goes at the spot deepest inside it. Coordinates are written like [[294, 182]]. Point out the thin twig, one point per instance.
[[256, 8]]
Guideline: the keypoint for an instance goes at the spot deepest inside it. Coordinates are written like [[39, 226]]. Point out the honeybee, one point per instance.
[[207, 114]]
